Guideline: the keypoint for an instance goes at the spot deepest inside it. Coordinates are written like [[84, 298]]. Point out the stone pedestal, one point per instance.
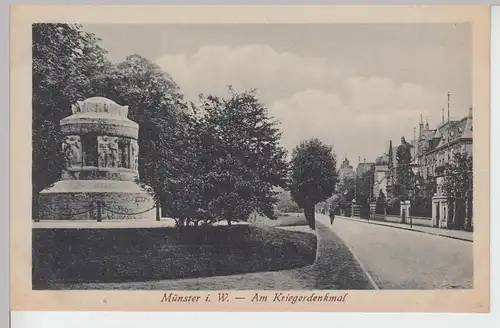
[[355, 209], [101, 152], [439, 206], [439, 211], [373, 206], [405, 211]]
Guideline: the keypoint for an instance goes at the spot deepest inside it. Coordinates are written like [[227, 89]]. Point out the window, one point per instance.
[[89, 148]]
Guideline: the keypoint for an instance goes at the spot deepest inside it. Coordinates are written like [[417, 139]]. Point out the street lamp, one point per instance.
[[370, 197], [410, 194]]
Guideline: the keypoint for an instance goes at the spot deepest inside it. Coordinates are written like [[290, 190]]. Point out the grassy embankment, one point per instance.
[[126, 255]]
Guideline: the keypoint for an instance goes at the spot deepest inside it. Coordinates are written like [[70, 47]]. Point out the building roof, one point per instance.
[[453, 131], [446, 132]]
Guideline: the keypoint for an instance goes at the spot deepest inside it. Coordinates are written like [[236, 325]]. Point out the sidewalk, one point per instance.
[[454, 234]]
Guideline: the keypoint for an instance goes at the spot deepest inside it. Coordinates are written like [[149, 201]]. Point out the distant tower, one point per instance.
[[470, 117], [421, 126], [449, 129], [448, 108], [427, 124], [390, 155], [389, 168]]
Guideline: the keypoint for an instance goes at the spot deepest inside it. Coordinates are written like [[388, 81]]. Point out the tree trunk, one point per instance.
[[228, 222], [455, 223], [309, 213]]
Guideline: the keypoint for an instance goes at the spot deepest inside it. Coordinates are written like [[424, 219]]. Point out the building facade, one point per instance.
[[363, 168], [436, 148], [430, 151], [380, 179]]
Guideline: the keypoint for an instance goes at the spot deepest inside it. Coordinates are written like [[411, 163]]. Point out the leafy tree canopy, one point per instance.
[[156, 104], [458, 177], [241, 155], [313, 175], [64, 57]]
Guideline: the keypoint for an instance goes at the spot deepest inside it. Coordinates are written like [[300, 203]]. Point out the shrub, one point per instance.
[[421, 206]]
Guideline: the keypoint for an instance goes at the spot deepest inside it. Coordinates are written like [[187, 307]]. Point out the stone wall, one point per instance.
[[416, 220], [60, 206]]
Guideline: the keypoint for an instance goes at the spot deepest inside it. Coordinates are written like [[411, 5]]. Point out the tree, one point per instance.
[[156, 104], [185, 194], [64, 58], [364, 189], [381, 203], [286, 204], [344, 192], [404, 174], [313, 175], [240, 156], [422, 202], [458, 182]]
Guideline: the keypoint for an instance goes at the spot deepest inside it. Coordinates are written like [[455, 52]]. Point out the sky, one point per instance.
[[354, 86]]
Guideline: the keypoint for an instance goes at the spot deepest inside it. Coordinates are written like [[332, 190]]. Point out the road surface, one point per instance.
[[401, 259]]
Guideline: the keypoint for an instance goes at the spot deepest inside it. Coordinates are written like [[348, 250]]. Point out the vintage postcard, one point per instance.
[[250, 158]]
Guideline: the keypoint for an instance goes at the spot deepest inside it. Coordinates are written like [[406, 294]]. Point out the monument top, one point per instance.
[[99, 105], [101, 116]]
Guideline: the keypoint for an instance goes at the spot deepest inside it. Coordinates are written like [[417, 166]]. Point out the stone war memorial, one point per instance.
[[98, 181]]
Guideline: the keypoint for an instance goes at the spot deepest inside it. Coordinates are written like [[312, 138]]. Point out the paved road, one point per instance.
[[401, 259]]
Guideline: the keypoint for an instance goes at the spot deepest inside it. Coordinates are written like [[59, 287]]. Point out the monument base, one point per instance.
[[82, 199]]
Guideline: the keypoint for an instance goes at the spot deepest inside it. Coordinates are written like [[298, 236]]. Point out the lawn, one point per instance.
[[126, 255], [286, 220]]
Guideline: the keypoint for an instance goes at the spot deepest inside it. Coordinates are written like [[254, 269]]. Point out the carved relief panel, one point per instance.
[[103, 142], [114, 159], [72, 149], [108, 151]]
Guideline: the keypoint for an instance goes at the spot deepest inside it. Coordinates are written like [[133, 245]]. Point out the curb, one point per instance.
[[361, 265], [408, 229]]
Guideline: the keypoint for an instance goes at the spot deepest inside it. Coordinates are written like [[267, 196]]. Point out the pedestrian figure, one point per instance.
[[332, 214]]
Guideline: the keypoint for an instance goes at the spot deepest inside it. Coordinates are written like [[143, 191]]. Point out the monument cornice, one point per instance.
[[109, 126]]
